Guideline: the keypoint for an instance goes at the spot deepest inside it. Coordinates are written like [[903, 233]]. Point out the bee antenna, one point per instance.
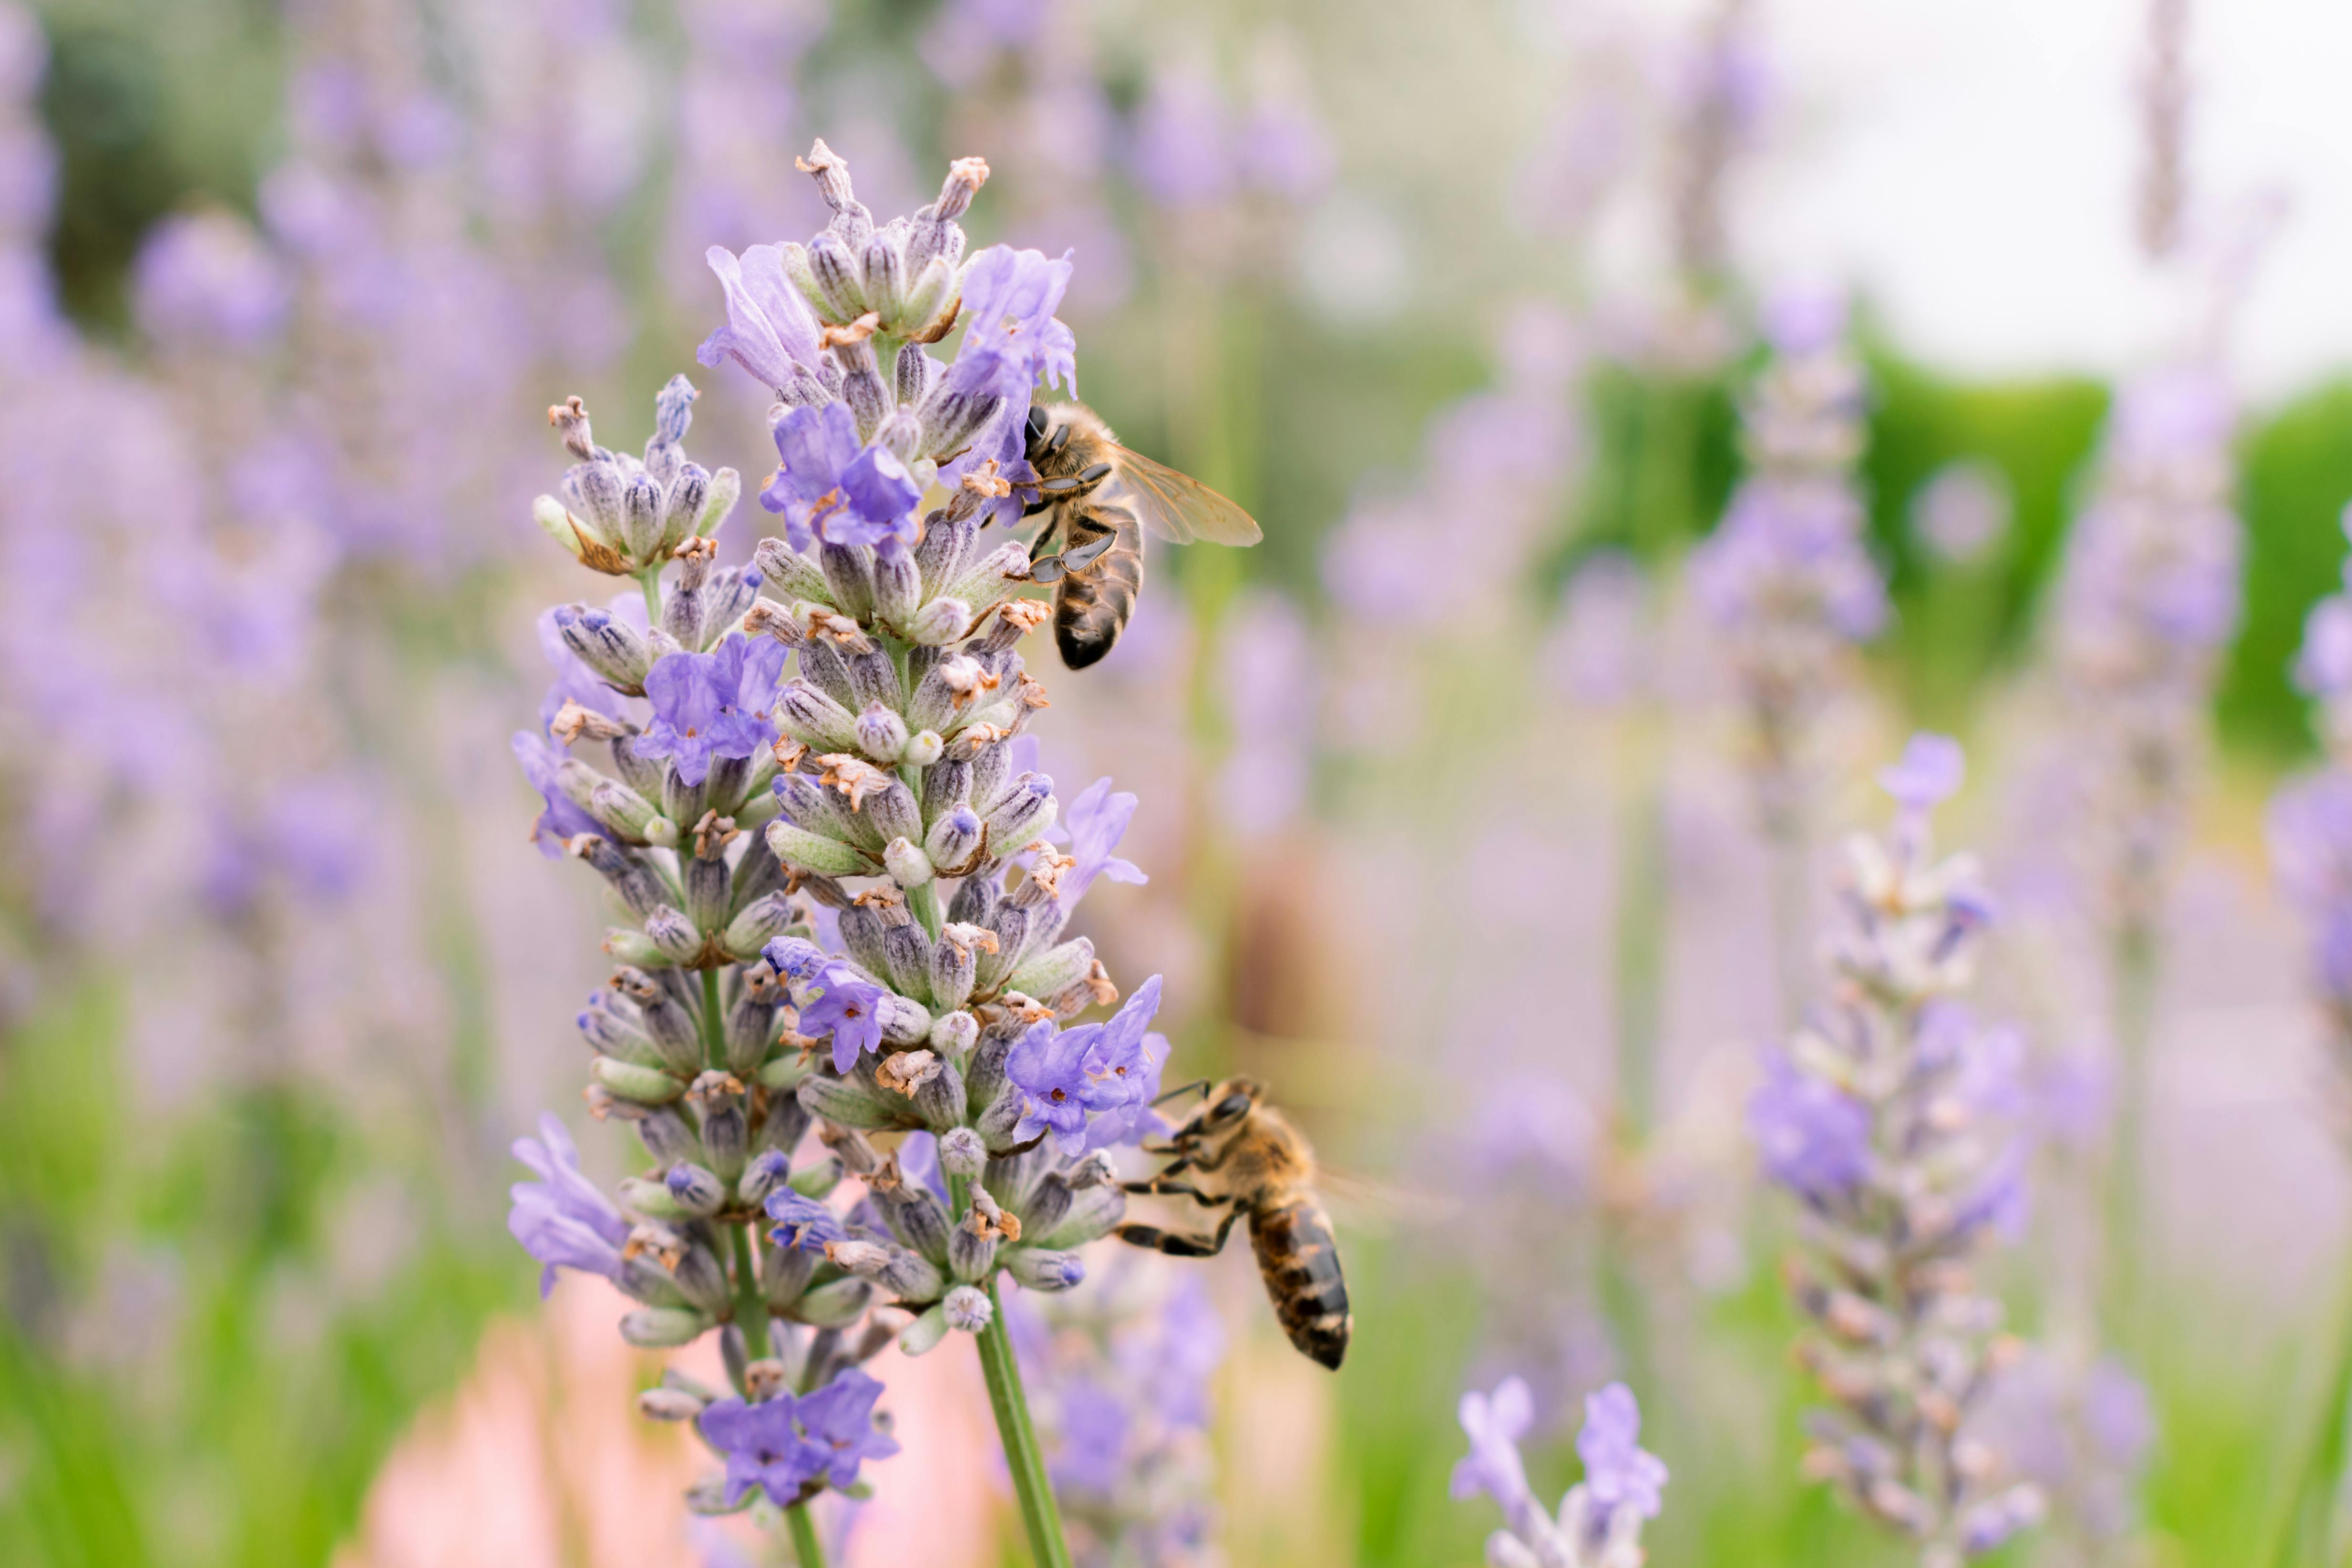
[[1199, 1085]]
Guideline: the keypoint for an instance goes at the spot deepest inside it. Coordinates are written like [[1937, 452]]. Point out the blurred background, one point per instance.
[[1468, 829]]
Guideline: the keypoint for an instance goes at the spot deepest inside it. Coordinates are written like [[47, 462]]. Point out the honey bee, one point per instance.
[[1247, 1158], [1104, 498]]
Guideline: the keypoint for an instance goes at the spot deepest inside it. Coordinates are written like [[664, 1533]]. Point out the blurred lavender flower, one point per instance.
[[1891, 1120], [207, 278], [1599, 1521], [1183, 157], [1122, 1375], [2083, 1435], [1268, 658], [1786, 577], [2148, 603]]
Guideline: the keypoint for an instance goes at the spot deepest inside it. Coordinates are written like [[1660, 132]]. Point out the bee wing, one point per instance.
[[1364, 1204], [1179, 507]]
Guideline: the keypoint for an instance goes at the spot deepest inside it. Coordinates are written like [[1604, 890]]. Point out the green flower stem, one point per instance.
[[1022, 1455], [2309, 1528], [750, 1302], [650, 581], [1039, 1515], [806, 1548]]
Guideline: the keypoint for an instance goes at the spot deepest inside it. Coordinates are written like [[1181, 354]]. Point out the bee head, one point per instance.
[[1230, 1103], [1041, 427]]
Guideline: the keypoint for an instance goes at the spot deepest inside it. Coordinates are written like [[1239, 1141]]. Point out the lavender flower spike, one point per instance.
[[1599, 1521], [1890, 1119]]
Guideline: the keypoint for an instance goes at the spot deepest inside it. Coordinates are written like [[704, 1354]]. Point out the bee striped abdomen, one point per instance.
[[1091, 605], [1300, 1261]]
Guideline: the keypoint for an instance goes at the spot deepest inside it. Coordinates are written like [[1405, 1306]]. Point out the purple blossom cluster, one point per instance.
[[807, 784], [1121, 1375], [1787, 580], [1891, 1120], [1599, 1521]]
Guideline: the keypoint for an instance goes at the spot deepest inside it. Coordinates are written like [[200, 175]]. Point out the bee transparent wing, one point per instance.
[[1362, 1204], [1179, 507]]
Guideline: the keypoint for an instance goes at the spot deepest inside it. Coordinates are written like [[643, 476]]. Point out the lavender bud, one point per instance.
[[1041, 1268], [834, 1305], [853, 1104], [912, 375], [1025, 814], [861, 926], [953, 417], [641, 518], [941, 621], [609, 647], [833, 267], [907, 956], [813, 718], [926, 314], [666, 1136], [595, 491], [663, 1328], [695, 1190], [1090, 1216], [881, 734], [924, 1334], [961, 1152], [669, 1405], [892, 811], [954, 970], [874, 678], [791, 575], [849, 578], [968, 1311], [682, 508], [673, 935], [726, 1130], [907, 1275], [761, 1176], [947, 539], [559, 525], [765, 920], [804, 850], [971, 1249], [625, 946], [646, 1085], [946, 786], [916, 1217], [904, 1022], [807, 804], [990, 581], [670, 1025], [1055, 970], [898, 583], [952, 1036], [906, 863], [611, 1034], [885, 272], [625, 811]]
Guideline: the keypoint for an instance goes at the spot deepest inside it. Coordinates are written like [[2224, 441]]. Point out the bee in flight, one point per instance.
[[1246, 1159], [1104, 498]]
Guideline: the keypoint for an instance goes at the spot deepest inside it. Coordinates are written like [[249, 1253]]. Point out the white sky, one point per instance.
[[1971, 164]]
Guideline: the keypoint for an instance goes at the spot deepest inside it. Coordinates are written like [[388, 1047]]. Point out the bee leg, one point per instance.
[[1179, 1243], [1044, 535], [1161, 1187]]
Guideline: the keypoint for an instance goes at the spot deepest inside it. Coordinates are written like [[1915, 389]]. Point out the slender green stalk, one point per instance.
[[2308, 1532], [650, 581], [714, 1023], [1641, 929], [1022, 1455], [750, 1302], [806, 1547]]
